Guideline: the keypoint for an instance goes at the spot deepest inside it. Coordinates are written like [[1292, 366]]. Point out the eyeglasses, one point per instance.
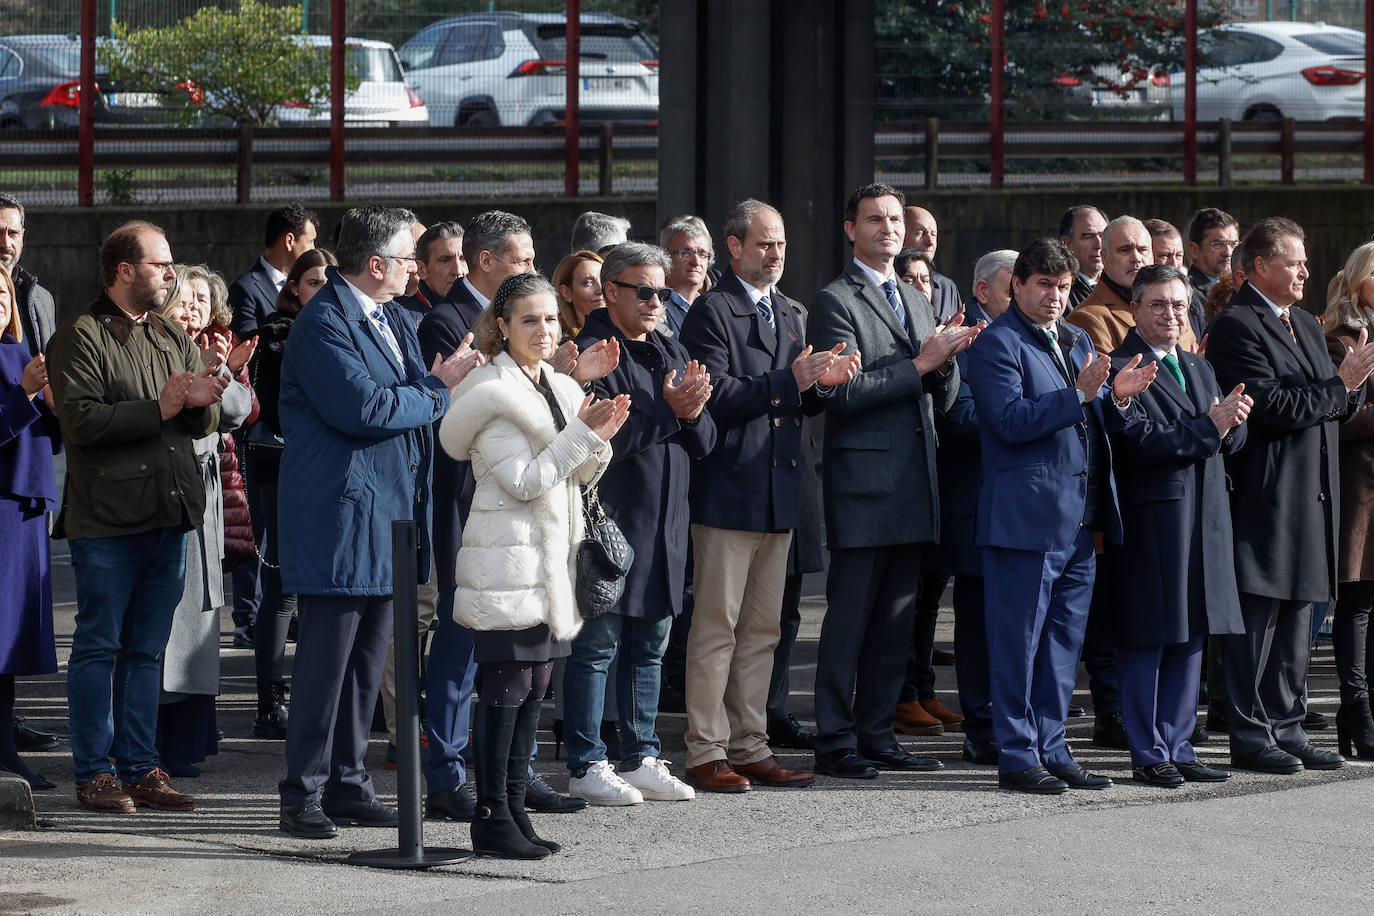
[[400, 257], [645, 293], [703, 255], [163, 266], [1159, 308]]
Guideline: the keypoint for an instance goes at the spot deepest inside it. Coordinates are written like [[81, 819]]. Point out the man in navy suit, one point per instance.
[[441, 265], [1047, 485], [1285, 500], [1175, 577], [356, 408]]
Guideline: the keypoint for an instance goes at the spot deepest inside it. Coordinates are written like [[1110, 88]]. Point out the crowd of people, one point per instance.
[[1163, 473]]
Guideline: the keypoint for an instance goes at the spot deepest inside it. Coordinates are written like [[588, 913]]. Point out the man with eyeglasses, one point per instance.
[[1212, 236], [132, 394], [746, 499], [688, 243], [356, 408], [1175, 578]]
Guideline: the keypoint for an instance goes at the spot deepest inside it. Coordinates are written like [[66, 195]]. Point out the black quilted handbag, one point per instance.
[[603, 560]]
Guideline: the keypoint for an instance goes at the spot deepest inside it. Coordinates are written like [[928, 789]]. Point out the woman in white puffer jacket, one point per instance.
[[533, 440]]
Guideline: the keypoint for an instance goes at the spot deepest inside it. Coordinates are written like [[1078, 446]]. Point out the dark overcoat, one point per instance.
[[1356, 559]]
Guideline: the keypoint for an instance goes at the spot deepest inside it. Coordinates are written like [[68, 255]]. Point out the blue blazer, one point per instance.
[[252, 297], [358, 441], [1032, 427]]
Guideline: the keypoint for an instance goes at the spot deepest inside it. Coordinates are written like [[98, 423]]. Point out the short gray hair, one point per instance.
[[989, 264], [633, 254], [741, 216], [491, 231], [1120, 222], [365, 232], [1157, 273], [595, 231], [693, 226]]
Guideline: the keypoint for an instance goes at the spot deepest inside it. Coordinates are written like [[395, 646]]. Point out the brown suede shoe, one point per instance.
[[717, 776], [770, 772], [952, 721], [154, 791], [912, 719], [104, 794]]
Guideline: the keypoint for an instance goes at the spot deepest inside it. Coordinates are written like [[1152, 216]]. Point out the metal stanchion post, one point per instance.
[[410, 849]]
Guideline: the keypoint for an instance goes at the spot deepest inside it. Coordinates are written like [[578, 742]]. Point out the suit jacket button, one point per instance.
[[1321, 497], [1083, 473], [414, 468], [777, 421]]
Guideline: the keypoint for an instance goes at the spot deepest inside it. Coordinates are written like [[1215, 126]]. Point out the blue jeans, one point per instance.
[[127, 588], [641, 642]]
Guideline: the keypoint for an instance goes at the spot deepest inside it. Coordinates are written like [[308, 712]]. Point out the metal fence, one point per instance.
[[475, 101]]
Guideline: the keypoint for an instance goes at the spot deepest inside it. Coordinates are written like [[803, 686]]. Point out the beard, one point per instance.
[[148, 296]]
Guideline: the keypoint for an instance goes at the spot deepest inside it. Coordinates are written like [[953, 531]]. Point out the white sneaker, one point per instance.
[[654, 781], [601, 786]]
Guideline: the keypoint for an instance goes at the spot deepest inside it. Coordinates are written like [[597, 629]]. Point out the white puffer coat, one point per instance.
[[517, 563]]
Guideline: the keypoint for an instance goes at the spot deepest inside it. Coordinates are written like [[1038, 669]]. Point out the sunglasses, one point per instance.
[[645, 293]]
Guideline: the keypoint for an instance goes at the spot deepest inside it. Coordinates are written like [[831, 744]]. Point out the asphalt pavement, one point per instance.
[[941, 842]]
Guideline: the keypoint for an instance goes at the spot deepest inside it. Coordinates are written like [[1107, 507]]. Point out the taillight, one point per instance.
[[1160, 78], [415, 100], [1064, 79], [1328, 75], [539, 68], [63, 95], [650, 64]]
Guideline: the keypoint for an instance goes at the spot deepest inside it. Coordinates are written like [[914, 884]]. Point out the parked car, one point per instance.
[[40, 88], [383, 96], [1272, 70], [1108, 89], [503, 68]]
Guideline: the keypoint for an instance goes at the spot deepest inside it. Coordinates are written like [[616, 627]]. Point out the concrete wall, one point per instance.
[[62, 244]]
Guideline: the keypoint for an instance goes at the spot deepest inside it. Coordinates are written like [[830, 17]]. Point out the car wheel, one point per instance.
[[1264, 114], [478, 117]]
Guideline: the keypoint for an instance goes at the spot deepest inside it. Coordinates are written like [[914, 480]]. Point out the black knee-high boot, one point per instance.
[[517, 771], [494, 833]]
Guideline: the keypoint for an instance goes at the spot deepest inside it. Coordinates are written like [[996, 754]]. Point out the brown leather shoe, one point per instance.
[[154, 791], [770, 772], [717, 776], [952, 721], [103, 793], [912, 719]]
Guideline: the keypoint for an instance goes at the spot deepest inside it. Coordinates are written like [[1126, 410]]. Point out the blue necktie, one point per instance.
[[894, 300], [766, 310]]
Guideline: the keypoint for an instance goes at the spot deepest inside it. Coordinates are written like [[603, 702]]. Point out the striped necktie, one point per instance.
[[1283, 316]]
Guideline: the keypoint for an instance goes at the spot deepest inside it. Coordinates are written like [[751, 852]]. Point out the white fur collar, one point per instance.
[[501, 390]]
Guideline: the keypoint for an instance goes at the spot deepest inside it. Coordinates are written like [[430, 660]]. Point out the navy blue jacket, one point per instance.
[[358, 443], [252, 297], [959, 463], [441, 331], [752, 480], [645, 489]]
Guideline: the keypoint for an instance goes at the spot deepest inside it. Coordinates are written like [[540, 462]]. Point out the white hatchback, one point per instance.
[[1257, 71], [383, 96], [503, 68]]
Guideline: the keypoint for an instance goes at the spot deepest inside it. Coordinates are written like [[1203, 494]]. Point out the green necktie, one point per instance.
[[1171, 363]]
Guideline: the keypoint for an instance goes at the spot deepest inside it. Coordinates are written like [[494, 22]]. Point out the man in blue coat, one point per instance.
[[1175, 577], [356, 404], [1042, 407]]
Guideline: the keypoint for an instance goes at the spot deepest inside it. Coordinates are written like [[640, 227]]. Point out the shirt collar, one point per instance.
[[1087, 280], [754, 294], [482, 300], [877, 278], [1160, 354], [277, 276], [1279, 310]]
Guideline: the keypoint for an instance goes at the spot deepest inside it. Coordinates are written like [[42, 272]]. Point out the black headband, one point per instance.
[[503, 292]]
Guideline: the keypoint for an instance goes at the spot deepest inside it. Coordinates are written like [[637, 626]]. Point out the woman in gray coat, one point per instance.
[[186, 727]]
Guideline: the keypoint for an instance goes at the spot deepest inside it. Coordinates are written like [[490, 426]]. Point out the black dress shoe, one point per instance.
[[541, 797], [1036, 781], [31, 739], [1315, 721], [1199, 735], [1161, 775], [349, 813], [1109, 730], [1076, 711], [307, 821], [788, 732], [456, 803], [1269, 760], [1197, 771], [846, 764], [1216, 720], [1078, 778], [1314, 758], [981, 752], [897, 758]]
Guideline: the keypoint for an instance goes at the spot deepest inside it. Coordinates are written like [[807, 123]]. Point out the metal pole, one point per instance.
[[1368, 95], [572, 128], [305, 16], [337, 87], [998, 27], [85, 175], [1190, 94]]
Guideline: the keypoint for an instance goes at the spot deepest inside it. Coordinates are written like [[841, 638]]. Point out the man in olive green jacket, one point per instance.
[[131, 394]]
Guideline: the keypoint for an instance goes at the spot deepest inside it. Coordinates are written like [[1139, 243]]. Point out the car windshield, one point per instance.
[[1333, 42], [374, 65], [598, 43]]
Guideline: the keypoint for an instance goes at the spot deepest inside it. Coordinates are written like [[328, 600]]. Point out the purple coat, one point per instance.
[[29, 438]]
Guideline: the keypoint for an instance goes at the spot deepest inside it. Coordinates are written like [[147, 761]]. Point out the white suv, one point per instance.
[[489, 69], [382, 97]]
